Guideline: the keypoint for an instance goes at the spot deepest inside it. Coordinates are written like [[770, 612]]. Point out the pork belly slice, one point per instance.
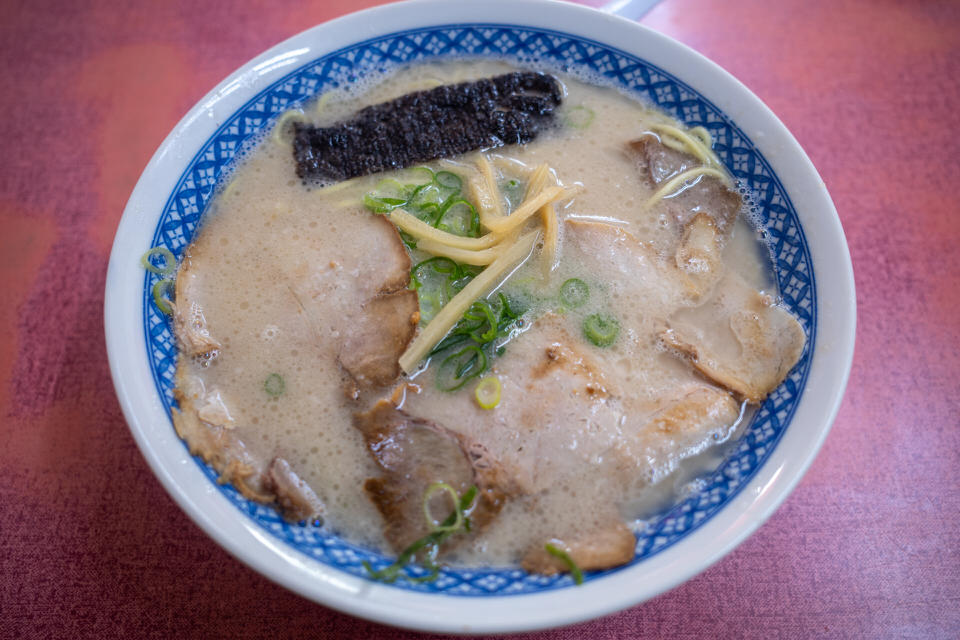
[[565, 404], [565, 368], [695, 270], [375, 342], [770, 339], [767, 340], [224, 451], [205, 424], [213, 437], [554, 395], [619, 258], [189, 323], [649, 448], [704, 212], [363, 259], [296, 499], [699, 256], [414, 453], [383, 242], [698, 411], [603, 548], [695, 418], [358, 305], [658, 163]]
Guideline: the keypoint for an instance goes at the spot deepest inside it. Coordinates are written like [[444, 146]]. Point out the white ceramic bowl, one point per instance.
[[812, 264]]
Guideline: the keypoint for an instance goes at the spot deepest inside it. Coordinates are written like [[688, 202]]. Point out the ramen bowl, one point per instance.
[[811, 267]]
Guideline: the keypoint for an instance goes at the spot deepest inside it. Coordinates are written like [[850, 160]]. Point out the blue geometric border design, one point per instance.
[[772, 206]]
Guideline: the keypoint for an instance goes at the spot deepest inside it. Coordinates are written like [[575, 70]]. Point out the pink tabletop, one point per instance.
[[867, 546]]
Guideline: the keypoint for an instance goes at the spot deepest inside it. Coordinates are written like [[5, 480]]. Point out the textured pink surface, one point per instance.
[[867, 546]]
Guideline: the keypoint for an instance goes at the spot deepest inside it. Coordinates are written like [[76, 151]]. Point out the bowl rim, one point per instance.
[[831, 358]]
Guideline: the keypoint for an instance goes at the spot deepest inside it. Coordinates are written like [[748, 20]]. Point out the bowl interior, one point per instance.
[[183, 210]]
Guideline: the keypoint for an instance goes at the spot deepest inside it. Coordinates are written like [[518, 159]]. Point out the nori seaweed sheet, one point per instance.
[[438, 123]]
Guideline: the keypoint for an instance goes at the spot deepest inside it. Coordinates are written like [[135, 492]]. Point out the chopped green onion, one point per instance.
[[436, 280], [601, 330], [382, 205], [453, 286], [432, 489], [408, 240], [430, 577], [483, 312], [557, 552], [574, 292], [274, 385], [440, 264], [158, 290], [505, 309], [580, 117], [434, 198], [438, 202], [459, 368], [462, 210], [448, 180], [169, 262], [425, 195], [476, 339], [431, 542], [488, 392]]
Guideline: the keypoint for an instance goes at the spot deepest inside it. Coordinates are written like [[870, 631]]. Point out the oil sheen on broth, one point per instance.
[[589, 436]]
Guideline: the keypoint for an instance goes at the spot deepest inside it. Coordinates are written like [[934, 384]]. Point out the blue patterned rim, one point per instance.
[[792, 265]]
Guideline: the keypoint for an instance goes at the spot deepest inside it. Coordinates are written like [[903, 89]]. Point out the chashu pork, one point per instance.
[[205, 424], [624, 415], [603, 547], [369, 315], [352, 310], [739, 339], [415, 453], [658, 163], [770, 339], [703, 212], [189, 323]]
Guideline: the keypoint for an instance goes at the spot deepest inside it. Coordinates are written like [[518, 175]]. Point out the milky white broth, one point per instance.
[[267, 223]]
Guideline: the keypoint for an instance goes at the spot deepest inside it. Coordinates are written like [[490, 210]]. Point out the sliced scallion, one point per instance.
[[482, 312], [557, 552], [159, 288], [574, 292], [601, 330], [274, 385], [464, 220], [431, 490], [391, 188], [426, 195], [426, 175], [431, 542], [488, 392], [478, 337], [459, 368], [440, 264], [433, 198], [169, 262], [448, 180]]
